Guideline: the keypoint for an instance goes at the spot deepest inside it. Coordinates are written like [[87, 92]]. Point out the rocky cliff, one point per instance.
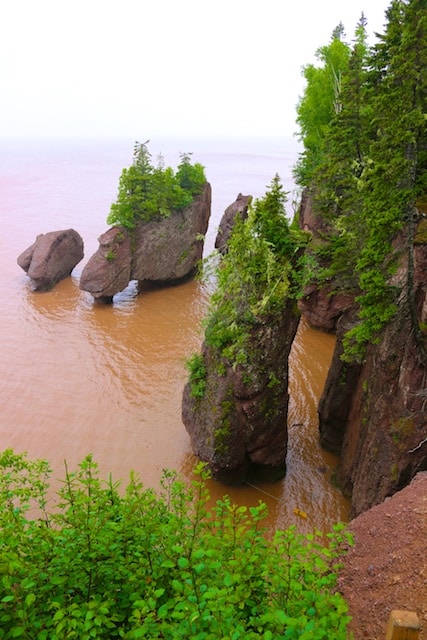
[[374, 414], [235, 404], [385, 439]]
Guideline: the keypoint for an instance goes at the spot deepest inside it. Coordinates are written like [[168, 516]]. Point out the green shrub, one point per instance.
[[190, 177], [105, 563], [255, 277], [147, 192], [197, 375]]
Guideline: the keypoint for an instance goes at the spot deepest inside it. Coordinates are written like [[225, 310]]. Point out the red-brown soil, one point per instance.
[[386, 568]]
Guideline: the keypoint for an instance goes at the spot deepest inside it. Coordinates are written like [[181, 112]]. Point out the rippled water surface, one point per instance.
[[79, 378]]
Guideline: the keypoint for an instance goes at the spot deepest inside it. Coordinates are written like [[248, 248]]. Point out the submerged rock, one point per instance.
[[51, 258]]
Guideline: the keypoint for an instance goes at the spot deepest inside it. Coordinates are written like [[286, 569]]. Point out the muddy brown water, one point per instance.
[[108, 380], [79, 378]]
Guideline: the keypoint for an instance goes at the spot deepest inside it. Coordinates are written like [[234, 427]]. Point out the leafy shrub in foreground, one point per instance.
[[137, 564]]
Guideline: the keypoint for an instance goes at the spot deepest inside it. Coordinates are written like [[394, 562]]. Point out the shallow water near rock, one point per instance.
[[78, 377]]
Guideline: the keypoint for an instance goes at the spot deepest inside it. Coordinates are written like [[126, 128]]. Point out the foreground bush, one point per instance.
[[137, 564]]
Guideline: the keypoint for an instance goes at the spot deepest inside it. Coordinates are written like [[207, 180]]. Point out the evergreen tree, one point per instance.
[[336, 180], [346, 143], [147, 191], [320, 101], [270, 221], [396, 174], [372, 167]]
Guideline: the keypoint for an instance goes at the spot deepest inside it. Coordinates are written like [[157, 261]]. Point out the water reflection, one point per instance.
[[306, 496], [79, 378], [55, 305], [108, 380]]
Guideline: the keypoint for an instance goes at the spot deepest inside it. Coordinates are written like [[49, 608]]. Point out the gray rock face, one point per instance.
[[108, 270], [169, 249], [324, 307], [239, 426], [51, 258], [237, 208], [374, 414], [161, 251]]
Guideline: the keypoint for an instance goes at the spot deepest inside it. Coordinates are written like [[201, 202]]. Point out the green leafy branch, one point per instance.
[[107, 563]]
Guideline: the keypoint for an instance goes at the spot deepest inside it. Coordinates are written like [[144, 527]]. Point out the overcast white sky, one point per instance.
[[162, 67]]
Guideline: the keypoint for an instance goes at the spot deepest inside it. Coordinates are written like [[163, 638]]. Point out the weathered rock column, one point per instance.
[[239, 426]]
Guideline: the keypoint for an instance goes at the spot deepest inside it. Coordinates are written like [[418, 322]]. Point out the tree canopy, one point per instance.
[[321, 99], [256, 275], [147, 191], [371, 164]]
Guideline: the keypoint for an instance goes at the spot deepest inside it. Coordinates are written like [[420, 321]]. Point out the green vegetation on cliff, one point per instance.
[[146, 191], [255, 276], [321, 99], [102, 563], [370, 165]]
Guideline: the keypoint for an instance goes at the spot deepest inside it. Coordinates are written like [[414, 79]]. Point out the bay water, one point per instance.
[[78, 378]]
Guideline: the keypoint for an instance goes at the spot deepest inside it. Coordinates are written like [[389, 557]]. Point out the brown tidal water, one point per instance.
[[79, 378]]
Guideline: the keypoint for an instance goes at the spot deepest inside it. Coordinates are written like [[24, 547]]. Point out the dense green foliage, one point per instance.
[[146, 191], [105, 564], [372, 168], [197, 375], [255, 276], [321, 99]]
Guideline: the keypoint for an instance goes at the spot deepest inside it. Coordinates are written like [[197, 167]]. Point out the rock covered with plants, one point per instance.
[[235, 402], [238, 208], [363, 171], [364, 166], [160, 219]]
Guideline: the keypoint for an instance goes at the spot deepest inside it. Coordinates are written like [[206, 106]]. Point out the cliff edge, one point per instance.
[[373, 414], [386, 568]]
